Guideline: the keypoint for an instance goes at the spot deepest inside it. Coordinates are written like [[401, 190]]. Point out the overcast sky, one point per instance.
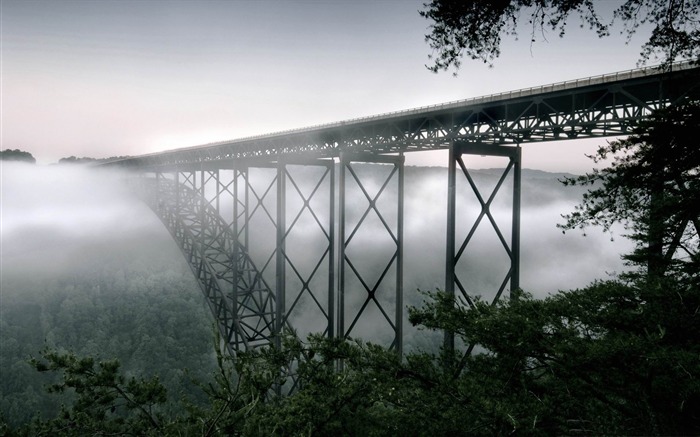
[[100, 78]]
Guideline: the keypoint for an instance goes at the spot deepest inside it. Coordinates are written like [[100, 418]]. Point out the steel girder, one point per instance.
[[600, 106]]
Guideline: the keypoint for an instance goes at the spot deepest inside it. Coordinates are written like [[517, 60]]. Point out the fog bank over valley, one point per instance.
[[70, 220], [58, 217]]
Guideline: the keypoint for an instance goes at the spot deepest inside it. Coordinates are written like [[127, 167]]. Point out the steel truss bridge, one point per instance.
[[271, 224]]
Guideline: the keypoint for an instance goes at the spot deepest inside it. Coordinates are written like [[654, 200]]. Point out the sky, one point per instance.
[[101, 78]]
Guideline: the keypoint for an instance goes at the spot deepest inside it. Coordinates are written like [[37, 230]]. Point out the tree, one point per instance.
[[105, 402], [474, 29], [16, 155], [611, 358], [652, 187]]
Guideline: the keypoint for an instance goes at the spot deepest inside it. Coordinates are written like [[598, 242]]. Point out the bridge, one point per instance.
[[238, 209]]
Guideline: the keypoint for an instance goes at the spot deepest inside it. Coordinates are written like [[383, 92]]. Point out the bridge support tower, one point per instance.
[[457, 247]]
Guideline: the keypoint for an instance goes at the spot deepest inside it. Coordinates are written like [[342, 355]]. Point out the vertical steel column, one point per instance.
[[236, 261], [513, 252], [281, 280], [449, 340], [399, 265], [246, 204], [331, 255], [158, 198], [294, 261], [515, 234], [202, 201], [177, 191], [258, 305], [217, 181], [341, 248]]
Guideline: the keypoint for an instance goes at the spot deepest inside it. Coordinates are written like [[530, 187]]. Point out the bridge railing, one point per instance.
[[474, 101]]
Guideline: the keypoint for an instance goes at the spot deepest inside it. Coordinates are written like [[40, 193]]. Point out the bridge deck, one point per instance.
[[596, 106]]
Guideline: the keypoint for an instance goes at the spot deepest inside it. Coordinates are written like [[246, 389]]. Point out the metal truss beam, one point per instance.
[[607, 105], [210, 217], [206, 242]]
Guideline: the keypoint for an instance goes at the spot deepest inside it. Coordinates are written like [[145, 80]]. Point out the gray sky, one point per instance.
[[101, 78]]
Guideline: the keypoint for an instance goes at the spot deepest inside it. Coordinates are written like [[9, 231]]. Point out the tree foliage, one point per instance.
[[140, 307], [475, 29], [89, 160], [652, 187], [75, 160], [106, 402], [612, 358], [16, 155]]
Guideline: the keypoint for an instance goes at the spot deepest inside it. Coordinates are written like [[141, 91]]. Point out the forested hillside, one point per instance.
[[139, 305]]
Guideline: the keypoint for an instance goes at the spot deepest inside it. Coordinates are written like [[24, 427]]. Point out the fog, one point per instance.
[[60, 220], [56, 218]]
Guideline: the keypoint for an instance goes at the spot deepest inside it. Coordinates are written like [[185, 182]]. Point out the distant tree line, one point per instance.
[[74, 160], [22, 156], [16, 155], [88, 160]]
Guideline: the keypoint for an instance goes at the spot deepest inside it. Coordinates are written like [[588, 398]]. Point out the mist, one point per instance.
[[60, 221], [57, 218]]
